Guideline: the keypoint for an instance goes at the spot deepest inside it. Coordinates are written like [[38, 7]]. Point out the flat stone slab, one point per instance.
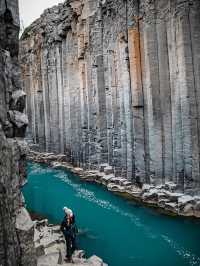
[[23, 220]]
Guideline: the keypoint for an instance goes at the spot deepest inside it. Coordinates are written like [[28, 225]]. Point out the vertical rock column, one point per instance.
[[101, 95], [165, 90], [152, 87], [188, 97], [137, 98], [194, 22]]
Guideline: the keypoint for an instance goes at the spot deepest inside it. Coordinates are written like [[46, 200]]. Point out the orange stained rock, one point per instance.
[[135, 65]]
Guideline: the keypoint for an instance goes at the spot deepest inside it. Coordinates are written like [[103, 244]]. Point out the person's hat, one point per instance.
[[68, 211]]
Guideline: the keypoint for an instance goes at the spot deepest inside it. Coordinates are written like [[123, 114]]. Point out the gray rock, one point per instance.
[[171, 206], [51, 248], [188, 210], [183, 200], [115, 188], [18, 118], [102, 167], [96, 261], [18, 100], [94, 109], [23, 220], [197, 209], [146, 187], [174, 197], [151, 195], [170, 186], [25, 229], [108, 170], [16, 230]]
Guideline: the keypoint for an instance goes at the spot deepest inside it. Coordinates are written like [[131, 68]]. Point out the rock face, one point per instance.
[[117, 83], [16, 239], [51, 248]]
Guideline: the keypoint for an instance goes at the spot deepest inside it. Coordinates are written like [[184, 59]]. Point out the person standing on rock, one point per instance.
[[69, 229]]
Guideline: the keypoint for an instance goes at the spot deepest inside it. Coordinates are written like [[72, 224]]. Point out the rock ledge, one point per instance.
[[50, 248]]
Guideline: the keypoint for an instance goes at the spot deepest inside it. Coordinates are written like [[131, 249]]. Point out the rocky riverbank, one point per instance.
[[50, 248], [165, 197]]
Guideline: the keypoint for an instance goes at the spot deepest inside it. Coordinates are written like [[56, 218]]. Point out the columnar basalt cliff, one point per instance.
[[16, 227], [117, 84]]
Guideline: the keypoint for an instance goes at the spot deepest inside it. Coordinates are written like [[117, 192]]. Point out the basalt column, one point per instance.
[[115, 85]]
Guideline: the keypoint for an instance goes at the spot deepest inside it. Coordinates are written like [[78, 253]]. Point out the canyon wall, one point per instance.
[[118, 83], [16, 227]]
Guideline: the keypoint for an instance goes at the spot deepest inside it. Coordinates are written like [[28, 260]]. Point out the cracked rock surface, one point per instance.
[[16, 227]]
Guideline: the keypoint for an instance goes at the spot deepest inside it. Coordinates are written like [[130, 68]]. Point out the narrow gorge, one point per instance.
[[106, 92], [117, 84]]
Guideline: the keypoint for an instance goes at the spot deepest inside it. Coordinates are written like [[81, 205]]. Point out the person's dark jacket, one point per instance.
[[69, 230]]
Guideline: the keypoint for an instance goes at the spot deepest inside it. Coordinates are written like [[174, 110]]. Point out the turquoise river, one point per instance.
[[121, 232]]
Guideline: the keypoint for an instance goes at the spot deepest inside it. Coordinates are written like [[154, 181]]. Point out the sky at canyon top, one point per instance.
[[32, 9]]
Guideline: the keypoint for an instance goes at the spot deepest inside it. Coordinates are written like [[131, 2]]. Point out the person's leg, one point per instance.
[[73, 244], [69, 248]]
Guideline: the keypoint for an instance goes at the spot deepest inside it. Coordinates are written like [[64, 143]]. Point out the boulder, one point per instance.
[[171, 206], [108, 170], [135, 193], [18, 119], [48, 260], [151, 195], [170, 186], [95, 261], [126, 183], [146, 187], [185, 199], [197, 209], [8, 129], [162, 202], [23, 220], [115, 188], [172, 196], [162, 195], [79, 254], [40, 251], [18, 100], [107, 178], [102, 167], [188, 210], [56, 165], [117, 180]]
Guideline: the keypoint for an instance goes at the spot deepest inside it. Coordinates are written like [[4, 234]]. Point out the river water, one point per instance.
[[120, 232]]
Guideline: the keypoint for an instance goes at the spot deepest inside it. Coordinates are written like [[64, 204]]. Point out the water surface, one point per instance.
[[120, 232]]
